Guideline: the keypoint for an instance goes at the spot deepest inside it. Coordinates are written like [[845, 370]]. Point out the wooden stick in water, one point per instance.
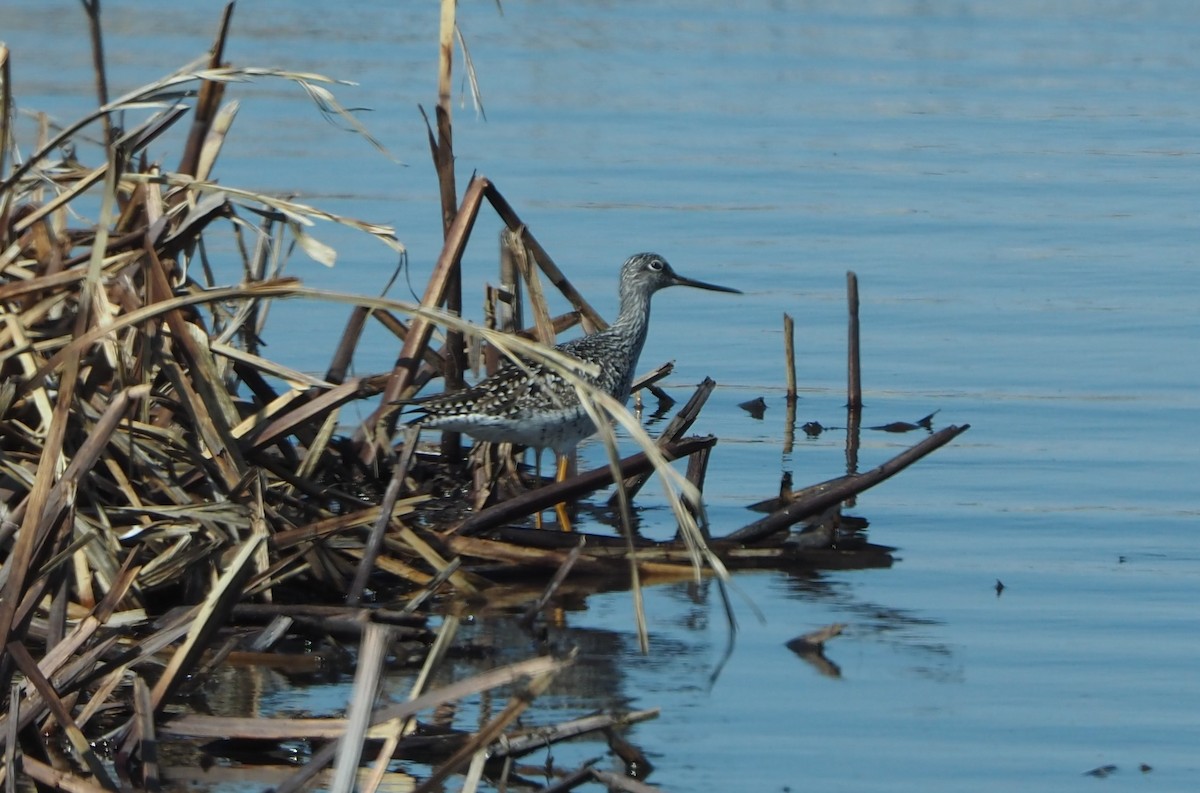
[[789, 352], [854, 384]]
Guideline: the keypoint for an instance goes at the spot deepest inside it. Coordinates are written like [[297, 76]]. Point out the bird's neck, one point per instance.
[[633, 320]]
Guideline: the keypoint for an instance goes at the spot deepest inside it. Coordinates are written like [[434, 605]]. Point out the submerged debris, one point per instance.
[[757, 408]]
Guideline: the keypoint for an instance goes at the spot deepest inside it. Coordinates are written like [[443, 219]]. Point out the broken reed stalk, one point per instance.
[[853, 366], [367, 673], [92, 9], [5, 139], [853, 381], [543, 326], [443, 159], [207, 103], [507, 309], [789, 355]]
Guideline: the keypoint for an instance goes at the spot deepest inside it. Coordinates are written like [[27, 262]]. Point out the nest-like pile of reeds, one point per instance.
[[166, 490]]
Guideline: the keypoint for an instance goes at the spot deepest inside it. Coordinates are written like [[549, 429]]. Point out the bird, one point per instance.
[[532, 405]]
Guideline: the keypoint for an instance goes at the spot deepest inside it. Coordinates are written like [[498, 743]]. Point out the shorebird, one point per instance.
[[534, 405]]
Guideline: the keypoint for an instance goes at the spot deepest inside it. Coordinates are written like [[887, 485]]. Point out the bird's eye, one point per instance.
[[655, 264]]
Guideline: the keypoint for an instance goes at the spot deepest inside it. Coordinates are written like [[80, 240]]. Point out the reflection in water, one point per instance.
[[811, 648], [900, 629]]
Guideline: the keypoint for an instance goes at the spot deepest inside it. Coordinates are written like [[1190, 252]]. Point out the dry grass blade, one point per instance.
[[168, 92], [472, 76], [327, 103], [78, 188], [302, 215]]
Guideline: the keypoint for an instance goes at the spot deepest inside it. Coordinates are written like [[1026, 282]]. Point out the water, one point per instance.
[[1013, 184]]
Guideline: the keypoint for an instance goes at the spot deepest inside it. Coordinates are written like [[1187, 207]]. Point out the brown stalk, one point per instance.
[[92, 8], [789, 355], [211, 92], [543, 325], [344, 354], [5, 135], [443, 159], [853, 365]]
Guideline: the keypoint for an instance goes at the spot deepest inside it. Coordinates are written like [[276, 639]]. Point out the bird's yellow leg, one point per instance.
[[560, 509], [537, 465]]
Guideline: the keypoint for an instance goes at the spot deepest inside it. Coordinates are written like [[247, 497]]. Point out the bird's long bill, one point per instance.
[[681, 281]]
